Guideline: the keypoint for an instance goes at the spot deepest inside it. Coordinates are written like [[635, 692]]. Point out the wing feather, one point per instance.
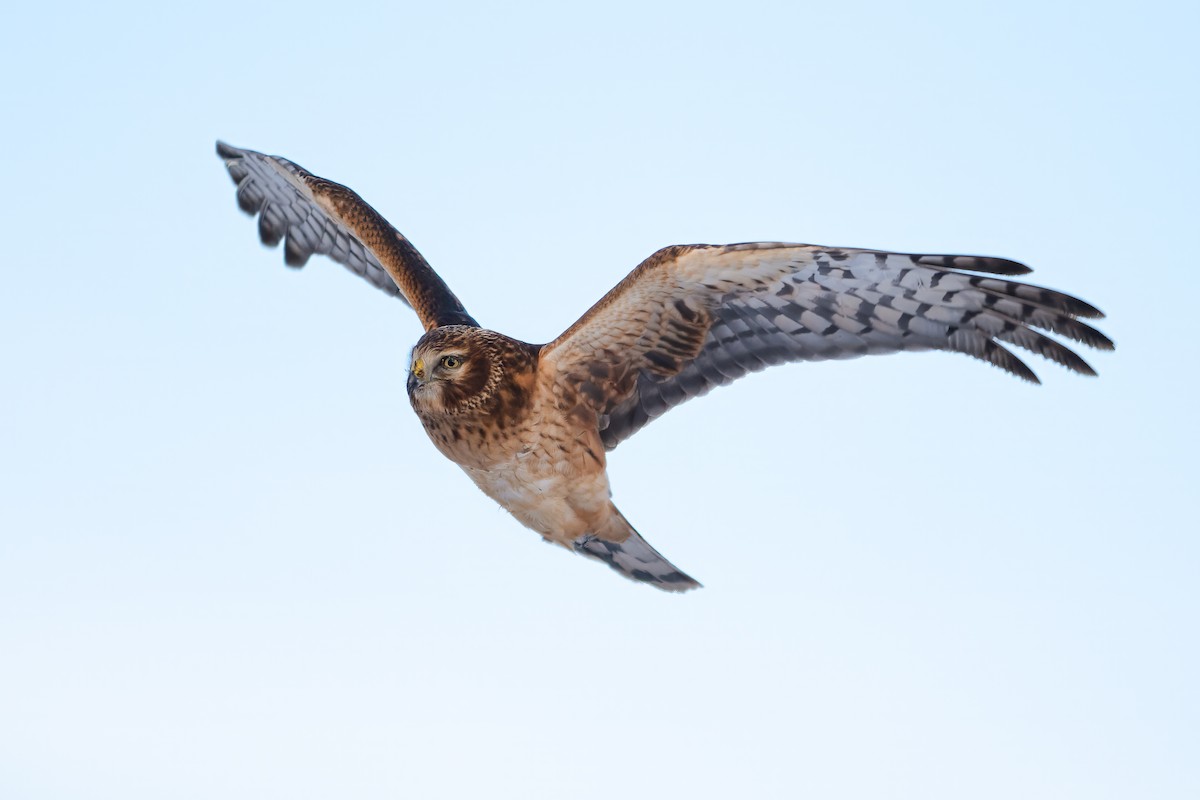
[[311, 215], [694, 317]]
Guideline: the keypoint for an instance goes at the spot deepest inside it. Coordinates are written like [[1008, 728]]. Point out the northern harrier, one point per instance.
[[530, 424]]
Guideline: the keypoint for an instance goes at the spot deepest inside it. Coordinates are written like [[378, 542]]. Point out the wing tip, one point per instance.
[[989, 264], [1068, 358], [226, 150], [1007, 360], [1086, 310], [1005, 266]]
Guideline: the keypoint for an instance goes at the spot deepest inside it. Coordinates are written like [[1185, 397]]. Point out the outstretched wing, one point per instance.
[[693, 317], [313, 215]]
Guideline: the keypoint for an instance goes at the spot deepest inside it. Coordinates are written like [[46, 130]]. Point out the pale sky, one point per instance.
[[233, 566]]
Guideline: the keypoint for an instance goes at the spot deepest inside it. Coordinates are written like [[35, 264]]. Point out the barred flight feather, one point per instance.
[[761, 304], [314, 216]]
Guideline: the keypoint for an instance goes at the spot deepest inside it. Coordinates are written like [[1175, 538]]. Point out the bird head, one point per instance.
[[447, 372]]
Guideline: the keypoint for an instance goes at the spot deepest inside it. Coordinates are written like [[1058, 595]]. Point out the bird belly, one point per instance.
[[559, 505]]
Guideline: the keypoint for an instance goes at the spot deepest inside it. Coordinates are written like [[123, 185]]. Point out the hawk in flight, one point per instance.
[[531, 423]]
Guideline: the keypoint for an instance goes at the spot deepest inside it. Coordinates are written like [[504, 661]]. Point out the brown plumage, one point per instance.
[[530, 424]]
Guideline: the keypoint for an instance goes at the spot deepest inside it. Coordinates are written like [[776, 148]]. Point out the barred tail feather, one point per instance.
[[633, 557]]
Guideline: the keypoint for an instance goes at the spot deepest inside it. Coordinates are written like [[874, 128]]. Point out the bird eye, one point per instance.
[[451, 362]]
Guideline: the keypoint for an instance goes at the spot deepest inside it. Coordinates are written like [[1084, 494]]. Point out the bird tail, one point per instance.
[[623, 549]]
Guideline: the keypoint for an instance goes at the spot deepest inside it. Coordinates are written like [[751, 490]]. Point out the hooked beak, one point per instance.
[[416, 375]]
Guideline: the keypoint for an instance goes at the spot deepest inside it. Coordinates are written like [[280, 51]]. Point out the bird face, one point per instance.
[[442, 376]]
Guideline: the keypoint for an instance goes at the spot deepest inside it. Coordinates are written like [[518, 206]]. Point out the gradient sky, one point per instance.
[[232, 565]]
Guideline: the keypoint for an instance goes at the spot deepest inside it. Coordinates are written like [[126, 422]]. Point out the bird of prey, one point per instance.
[[531, 423]]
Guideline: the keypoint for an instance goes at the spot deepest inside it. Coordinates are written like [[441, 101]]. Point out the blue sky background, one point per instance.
[[232, 565]]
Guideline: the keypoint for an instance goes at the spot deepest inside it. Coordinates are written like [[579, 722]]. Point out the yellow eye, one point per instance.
[[451, 362]]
